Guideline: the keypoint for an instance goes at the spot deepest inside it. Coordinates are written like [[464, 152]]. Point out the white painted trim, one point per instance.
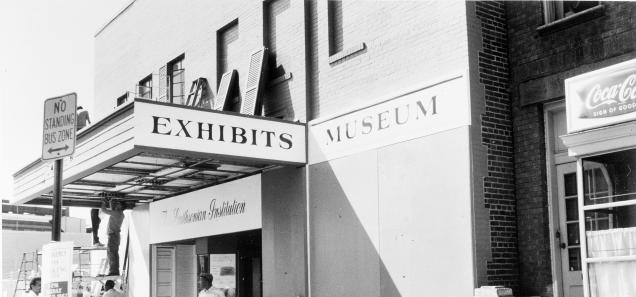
[[581, 195], [609, 205], [307, 232], [552, 191], [611, 259], [610, 138]]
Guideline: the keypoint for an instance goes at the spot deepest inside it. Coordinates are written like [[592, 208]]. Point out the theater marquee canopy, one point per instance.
[[146, 151]]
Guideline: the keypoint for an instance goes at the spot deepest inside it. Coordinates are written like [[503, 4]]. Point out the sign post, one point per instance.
[[58, 141]]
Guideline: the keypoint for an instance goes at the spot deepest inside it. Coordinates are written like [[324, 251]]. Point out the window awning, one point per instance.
[[146, 151]]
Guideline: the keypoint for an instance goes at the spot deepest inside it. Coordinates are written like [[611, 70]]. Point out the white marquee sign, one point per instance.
[[194, 130], [225, 208], [425, 111]]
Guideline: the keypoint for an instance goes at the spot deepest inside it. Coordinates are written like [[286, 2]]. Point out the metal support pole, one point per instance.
[[57, 201]]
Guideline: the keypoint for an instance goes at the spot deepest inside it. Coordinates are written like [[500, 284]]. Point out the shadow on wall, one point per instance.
[[394, 221], [278, 99], [344, 259]]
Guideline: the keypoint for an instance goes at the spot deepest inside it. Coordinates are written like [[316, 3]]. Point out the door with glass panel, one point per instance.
[[568, 233]]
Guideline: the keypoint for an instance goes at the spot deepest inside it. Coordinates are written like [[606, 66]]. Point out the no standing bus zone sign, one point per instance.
[[58, 137]]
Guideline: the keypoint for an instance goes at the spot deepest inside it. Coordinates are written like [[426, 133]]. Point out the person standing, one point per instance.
[[110, 291], [95, 221], [83, 119], [116, 214], [205, 282], [35, 287]]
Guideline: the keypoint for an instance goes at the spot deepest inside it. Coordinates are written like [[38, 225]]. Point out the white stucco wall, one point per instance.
[[139, 252]]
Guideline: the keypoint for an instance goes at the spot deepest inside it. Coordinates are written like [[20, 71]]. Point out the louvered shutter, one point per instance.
[[252, 99], [163, 84], [226, 88]]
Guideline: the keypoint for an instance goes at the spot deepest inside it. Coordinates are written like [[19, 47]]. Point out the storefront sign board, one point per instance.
[[57, 272], [195, 130], [225, 208], [223, 269], [427, 110], [58, 129], [603, 97]]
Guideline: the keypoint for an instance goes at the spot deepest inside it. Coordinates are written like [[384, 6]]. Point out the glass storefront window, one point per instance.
[[610, 178], [609, 211]]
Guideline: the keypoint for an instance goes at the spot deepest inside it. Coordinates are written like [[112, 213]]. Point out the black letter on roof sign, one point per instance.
[[235, 133], [155, 126], [201, 130], [183, 128], [253, 137], [286, 138], [269, 137]]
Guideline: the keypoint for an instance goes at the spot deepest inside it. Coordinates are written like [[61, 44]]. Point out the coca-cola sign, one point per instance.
[[602, 97], [611, 96]]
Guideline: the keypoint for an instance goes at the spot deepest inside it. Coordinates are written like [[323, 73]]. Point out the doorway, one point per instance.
[[567, 233], [597, 185], [234, 260]]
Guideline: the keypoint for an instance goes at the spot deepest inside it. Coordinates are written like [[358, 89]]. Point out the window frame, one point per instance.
[[121, 100], [553, 22], [171, 76], [583, 208], [145, 83]]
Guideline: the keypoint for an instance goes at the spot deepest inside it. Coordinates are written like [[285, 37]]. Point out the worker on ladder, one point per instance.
[[116, 214]]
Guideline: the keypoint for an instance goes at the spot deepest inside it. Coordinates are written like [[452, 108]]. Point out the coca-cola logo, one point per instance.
[[610, 96]]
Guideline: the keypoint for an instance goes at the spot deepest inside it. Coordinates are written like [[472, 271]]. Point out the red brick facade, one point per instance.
[[496, 131], [541, 58]]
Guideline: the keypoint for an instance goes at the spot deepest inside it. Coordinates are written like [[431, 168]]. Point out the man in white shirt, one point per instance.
[[110, 291], [205, 282]]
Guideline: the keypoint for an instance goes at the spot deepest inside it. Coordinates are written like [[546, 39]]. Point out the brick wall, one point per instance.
[[496, 136], [540, 60], [431, 34], [532, 204], [148, 34]]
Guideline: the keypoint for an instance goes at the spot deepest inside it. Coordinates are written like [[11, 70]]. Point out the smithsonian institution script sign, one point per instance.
[[225, 208], [602, 97], [424, 111]]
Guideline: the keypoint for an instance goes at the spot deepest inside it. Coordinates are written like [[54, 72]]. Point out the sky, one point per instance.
[[46, 50]]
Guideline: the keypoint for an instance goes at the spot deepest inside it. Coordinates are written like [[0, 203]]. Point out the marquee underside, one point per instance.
[[121, 158]]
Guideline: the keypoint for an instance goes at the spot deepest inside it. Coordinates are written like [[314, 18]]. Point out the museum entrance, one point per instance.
[[233, 260]]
